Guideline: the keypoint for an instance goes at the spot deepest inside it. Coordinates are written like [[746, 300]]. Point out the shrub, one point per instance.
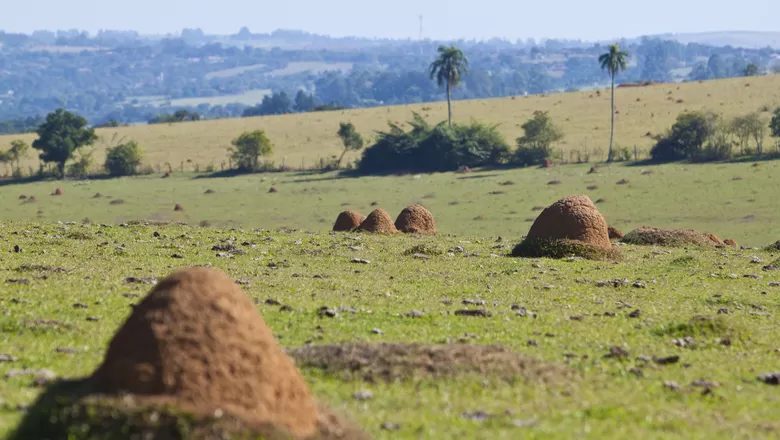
[[248, 148], [687, 137], [535, 144], [80, 168], [123, 159], [438, 148]]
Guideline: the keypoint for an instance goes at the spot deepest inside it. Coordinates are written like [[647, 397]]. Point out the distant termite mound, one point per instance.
[[648, 236], [348, 221], [416, 219], [378, 222]]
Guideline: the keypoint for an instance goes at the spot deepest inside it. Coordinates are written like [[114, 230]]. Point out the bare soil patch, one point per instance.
[[390, 362]]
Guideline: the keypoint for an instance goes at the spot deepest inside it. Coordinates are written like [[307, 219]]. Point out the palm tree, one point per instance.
[[448, 69], [613, 62]]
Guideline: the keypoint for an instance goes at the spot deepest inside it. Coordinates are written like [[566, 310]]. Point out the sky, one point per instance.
[[442, 19]]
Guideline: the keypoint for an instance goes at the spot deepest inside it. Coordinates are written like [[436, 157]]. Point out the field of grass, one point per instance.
[[301, 140], [733, 200], [65, 293]]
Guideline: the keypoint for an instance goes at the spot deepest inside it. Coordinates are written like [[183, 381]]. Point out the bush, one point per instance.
[[439, 148], [80, 168], [534, 147], [687, 137], [123, 159], [248, 148]]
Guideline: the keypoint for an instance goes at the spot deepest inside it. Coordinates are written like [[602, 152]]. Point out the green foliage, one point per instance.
[[751, 70], [60, 136], [448, 70], [248, 148], [123, 159], [535, 144], [350, 138], [274, 104], [439, 148], [178, 116], [774, 124], [687, 137], [749, 127], [81, 165]]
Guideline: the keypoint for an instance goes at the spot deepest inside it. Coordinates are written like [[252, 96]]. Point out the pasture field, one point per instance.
[[301, 140], [606, 333], [732, 200]]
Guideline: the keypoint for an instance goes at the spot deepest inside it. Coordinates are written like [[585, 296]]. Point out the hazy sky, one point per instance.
[[443, 19]]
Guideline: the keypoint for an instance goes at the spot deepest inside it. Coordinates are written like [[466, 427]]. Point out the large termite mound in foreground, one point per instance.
[[648, 236], [198, 339], [416, 219], [348, 221], [378, 222], [570, 226], [194, 360]]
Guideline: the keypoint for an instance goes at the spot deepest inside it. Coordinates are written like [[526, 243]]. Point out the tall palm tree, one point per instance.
[[448, 69], [613, 62]]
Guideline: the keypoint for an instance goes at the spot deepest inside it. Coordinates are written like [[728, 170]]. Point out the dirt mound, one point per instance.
[[273, 190], [197, 341], [648, 236], [379, 222], [390, 362], [774, 246], [348, 221], [614, 233], [178, 207], [416, 219], [570, 226], [730, 242], [58, 192]]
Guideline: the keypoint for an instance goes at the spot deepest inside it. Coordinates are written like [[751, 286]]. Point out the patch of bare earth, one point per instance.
[[389, 362]]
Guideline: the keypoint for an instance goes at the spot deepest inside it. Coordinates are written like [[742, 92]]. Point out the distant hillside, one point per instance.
[[746, 39]]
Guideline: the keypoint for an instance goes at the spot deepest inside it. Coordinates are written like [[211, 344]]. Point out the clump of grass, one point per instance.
[[703, 327], [548, 248], [424, 249], [686, 260]]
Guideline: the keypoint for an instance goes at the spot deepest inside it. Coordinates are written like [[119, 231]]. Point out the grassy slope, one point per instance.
[[705, 197], [604, 399], [583, 116]]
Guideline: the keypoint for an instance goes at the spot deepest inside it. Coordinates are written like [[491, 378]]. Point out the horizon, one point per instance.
[[599, 20]]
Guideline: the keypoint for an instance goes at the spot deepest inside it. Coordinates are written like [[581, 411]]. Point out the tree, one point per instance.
[[351, 139], [687, 138], [539, 134], [60, 136], [774, 124], [613, 62], [751, 70], [18, 150], [304, 102], [123, 159], [248, 148], [747, 127], [448, 70]]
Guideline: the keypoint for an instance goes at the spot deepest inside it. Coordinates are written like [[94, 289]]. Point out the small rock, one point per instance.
[[326, 312], [473, 302], [390, 426], [617, 352], [376, 331], [671, 385], [360, 261], [7, 358], [685, 342], [635, 314], [482, 313], [770, 378], [666, 360], [414, 314], [363, 395], [478, 415]]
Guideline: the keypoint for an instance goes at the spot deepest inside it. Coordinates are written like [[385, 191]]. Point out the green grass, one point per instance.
[[309, 270], [486, 203]]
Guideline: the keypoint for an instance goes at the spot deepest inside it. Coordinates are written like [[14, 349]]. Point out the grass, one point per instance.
[[485, 203], [75, 297], [301, 140]]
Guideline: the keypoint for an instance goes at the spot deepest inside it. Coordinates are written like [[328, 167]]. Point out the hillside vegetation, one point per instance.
[[301, 140]]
